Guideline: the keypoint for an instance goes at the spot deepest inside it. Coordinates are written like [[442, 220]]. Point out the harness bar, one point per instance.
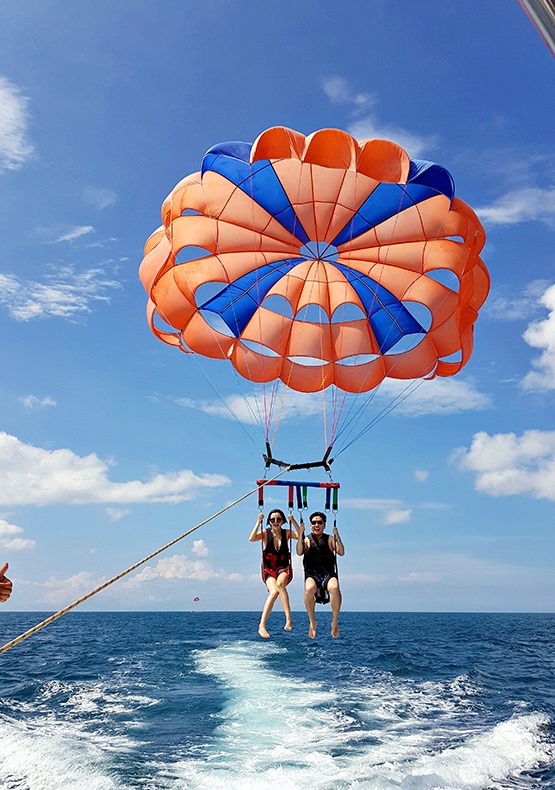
[[325, 462], [301, 491]]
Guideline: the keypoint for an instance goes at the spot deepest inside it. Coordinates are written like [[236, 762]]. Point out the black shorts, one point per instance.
[[322, 595]]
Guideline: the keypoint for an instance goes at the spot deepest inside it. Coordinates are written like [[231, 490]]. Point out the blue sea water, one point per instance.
[[98, 701]]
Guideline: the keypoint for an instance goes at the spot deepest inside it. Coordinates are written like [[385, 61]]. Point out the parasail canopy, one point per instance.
[[318, 261]]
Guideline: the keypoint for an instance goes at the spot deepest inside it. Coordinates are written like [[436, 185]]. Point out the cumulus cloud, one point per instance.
[[31, 402], [180, 567], [367, 126], [521, 205], [10, 540], [199, 548], [421, 475], [505, 464], [64, 294], [74, 587], [15, 148], [541, 335], [34, 476]]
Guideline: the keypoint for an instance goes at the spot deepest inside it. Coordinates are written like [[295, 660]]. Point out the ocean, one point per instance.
[[99, 700]]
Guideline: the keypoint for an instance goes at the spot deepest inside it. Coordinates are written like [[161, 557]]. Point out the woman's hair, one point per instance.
[[276, 510]]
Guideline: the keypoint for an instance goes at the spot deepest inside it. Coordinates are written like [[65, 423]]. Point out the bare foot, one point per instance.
[[263, 633], [312, 631], [334, 630], [287, 627]]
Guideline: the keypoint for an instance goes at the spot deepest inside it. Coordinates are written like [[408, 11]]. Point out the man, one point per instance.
[[321, 585], [5, 584]]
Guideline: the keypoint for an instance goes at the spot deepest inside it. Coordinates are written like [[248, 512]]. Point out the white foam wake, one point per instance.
[[64, 737], [380, 733], [45, 759]]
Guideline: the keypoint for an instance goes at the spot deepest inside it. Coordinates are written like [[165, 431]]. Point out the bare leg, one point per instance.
[[310, 588], [268, 606], [335, 601], [282, 582]]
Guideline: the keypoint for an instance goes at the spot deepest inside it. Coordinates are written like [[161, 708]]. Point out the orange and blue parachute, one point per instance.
[[319, 261]]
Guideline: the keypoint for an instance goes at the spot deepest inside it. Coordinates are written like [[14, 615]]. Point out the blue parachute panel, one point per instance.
[[258, 180], [238, 301], [386, 201], [432, 175], [389, 318]]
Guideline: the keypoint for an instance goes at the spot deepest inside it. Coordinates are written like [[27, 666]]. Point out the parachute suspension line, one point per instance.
[[409, 389], [119, 576], [224, 403]]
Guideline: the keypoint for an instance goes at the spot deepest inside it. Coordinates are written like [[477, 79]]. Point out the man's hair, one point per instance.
[[318, 513]]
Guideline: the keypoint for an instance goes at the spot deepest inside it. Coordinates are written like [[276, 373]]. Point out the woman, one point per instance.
[[277, 571]]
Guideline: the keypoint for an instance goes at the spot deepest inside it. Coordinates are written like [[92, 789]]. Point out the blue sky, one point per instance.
[[113, 444]]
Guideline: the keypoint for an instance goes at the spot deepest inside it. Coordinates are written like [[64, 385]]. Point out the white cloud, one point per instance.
[[65, 294], [541, 334], [200, 549], [180, 567], [415, 145], [398, 516], [31, 402], [378, 505], [505, 464], [10, 540], [72, 588], [421, 475], [521, 205], [15, 149], [35, 476], [99, 197], [510, 303], [391, 510], [117, 513], [74, 233], [412, 398], [339, 91], [421, 577], [249, 409], [438, 396]]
